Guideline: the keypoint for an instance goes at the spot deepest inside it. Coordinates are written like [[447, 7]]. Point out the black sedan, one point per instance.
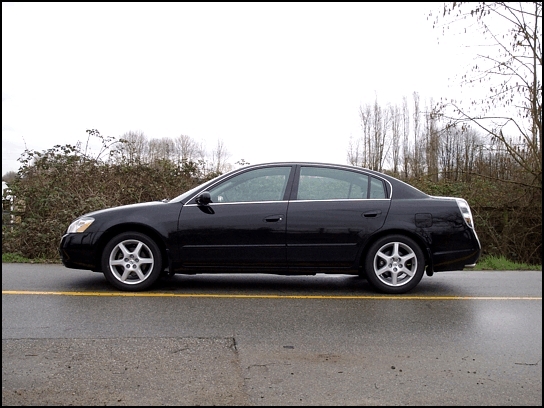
[[281, 218]]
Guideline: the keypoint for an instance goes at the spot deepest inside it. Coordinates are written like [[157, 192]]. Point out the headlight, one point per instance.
[[465, 210], [80, 225]]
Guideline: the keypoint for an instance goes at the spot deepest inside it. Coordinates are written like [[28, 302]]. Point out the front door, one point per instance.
[[244, 225]]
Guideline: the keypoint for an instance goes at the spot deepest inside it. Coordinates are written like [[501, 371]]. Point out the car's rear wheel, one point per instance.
[[131, 261], [394, 264]]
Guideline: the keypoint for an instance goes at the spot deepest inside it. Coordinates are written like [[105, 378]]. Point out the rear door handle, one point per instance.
[[372, 214]]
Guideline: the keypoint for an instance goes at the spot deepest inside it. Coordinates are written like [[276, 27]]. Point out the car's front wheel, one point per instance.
[[394, 264], [131, 261]]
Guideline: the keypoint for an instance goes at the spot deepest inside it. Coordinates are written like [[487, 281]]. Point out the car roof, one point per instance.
[[400, 188]]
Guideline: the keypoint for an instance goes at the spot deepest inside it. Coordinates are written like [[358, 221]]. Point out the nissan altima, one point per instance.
[[290, 218]]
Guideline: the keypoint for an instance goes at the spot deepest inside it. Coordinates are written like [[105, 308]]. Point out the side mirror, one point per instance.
[[204, 198]]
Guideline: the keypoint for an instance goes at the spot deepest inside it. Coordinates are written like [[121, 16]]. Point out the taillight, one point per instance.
[[465, 211]]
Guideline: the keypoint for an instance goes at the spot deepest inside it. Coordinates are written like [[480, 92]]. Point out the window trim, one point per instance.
[[287, 193], [388, 190]]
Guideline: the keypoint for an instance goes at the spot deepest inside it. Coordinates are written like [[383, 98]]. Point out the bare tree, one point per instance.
[[379, 137], [366, 125], [396, 122], [9, 176], [405, 137], [133, 147], [371, 150], [447, 154], [219, 159], [511, 112], [419, 145], [188, 149], [432, 142], [354, 152], [161, 149]]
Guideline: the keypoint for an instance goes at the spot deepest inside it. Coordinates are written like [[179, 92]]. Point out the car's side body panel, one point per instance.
[[451, 244], [329, 234], [246, 235], [157, 219]]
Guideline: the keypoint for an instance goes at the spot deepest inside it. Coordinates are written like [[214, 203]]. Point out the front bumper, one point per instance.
[[77, 251]]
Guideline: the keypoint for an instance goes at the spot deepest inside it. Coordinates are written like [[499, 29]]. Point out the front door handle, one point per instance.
[[274, 218], [372, 214]]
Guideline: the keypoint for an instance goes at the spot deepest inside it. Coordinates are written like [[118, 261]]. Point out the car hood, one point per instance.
[[128, 208]]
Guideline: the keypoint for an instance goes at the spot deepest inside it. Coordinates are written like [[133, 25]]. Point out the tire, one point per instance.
[[132, 261], [394, 264]]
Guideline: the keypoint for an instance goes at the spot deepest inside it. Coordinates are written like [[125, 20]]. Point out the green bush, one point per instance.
[[54, 187]]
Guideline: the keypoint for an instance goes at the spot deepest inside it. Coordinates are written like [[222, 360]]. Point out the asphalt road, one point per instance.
[[460, 338]]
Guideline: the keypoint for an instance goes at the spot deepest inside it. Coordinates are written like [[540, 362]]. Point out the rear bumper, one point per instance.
[[459, 259]]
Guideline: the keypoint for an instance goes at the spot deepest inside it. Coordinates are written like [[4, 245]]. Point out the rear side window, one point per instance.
[[320, 183], [330, 184], [377, 188]]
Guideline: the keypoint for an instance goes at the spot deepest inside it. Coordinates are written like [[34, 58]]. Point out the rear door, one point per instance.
[[332, 212]]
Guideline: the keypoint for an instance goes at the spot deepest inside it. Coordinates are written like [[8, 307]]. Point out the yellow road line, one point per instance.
[[235, 296]]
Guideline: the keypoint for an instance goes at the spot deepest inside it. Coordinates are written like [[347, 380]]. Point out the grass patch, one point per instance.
[[500, 263], [17, 258]]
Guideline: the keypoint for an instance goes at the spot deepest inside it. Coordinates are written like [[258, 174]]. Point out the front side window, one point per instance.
[[266, 184], [317, 183]]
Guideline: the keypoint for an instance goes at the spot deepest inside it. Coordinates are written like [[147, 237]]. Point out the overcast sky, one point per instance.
[[272, 81]]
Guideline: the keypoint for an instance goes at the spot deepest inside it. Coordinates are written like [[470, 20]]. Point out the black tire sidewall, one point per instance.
[[369, 264], [154, 274]]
